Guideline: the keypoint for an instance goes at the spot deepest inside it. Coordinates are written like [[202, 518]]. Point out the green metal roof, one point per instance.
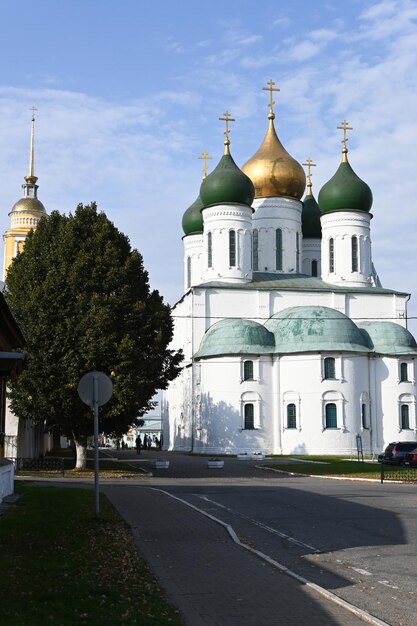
[[236, 336], [389, 338], [227, 184], [310, 218], [315, 329], [345, 191], [294, 282], [192, 220]]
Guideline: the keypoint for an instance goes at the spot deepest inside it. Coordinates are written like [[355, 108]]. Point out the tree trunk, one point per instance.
[[81, 451]]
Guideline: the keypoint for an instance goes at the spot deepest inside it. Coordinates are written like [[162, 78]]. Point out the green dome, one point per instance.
[[310, 218], [345, 192], [227, 184], [389, 338], [192, 220], [236, 336], [315, 329]]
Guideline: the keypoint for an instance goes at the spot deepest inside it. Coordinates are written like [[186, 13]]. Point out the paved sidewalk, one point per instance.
[[212, 580]]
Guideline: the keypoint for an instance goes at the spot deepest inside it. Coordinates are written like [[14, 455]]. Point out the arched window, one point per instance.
[[331, 255], [329, 367], [291, 416], [209, 250], [249, 416], [314, 268], [297, 252], [331, 415], [278, 249], [405, 417], [248, 370], [354, 254], [188, 271], [255, 250], [232, 248], [404, 372]]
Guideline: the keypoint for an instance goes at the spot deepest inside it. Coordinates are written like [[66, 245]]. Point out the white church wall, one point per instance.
[[311, 251], [340, 227], [223, 398], [376, 306], [302, 384], [272, 214], [219, 221], [193, 260], [393, 394]]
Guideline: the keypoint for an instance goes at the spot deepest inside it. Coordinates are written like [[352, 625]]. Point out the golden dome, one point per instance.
[[272, 170], [28, 205]]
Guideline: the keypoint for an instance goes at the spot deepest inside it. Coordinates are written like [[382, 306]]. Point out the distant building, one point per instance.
[[291, 344]]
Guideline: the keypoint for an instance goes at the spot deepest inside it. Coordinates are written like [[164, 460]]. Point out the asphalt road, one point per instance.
[[356, 539]]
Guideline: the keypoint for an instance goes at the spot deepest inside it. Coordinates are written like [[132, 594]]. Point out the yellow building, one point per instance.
[[25, 213]]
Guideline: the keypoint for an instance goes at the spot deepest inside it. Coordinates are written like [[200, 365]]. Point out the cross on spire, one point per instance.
[[205, 157], [345, 127], [271, 88], [309, 164], [227, 119], [33, 109]]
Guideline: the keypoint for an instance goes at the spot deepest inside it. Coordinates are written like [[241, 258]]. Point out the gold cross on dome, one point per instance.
[[205, 156], [344, 126], [270, 88], [227, 119], [309, 164]]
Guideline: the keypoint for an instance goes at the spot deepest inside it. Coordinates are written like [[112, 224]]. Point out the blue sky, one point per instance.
[[129, 94]]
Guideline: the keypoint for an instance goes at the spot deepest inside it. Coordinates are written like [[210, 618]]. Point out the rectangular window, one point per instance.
[[209, 250], [297, 252], [188, 271], [249, 417], [331, 256], [329, 367], [248, 370], [278, 249], [331, 415], [354, 254], [255, 250], [405, 417], [232, 248], [404, 372]]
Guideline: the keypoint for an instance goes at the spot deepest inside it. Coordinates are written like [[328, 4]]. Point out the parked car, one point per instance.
[[395, 452], [410, 458]]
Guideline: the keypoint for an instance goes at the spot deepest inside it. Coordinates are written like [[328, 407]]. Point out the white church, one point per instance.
[[291, 344]]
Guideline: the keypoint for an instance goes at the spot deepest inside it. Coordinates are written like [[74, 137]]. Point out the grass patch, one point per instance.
[[60, 565], [329, 466]]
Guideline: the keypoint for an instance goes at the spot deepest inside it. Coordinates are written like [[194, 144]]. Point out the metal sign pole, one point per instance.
[[96, 480], [95, 389]]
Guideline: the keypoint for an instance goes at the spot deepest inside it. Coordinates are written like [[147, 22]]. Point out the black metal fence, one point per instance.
[[45, 464], [400, 473]]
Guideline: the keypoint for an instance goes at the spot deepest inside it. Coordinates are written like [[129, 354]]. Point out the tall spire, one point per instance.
[[344, 126], [31, 178]]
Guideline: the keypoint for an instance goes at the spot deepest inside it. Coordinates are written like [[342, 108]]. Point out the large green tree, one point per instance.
[[82, 299]]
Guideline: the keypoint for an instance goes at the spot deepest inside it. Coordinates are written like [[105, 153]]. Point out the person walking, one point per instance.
[[138, 442]]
